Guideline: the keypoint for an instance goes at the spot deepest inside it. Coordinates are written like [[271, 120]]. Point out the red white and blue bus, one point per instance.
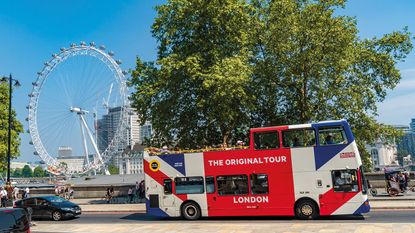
[[306, 171]]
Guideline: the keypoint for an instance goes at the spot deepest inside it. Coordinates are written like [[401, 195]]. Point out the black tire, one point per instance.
[[191, 211], [306, 210], [373, 191], [56, 216]]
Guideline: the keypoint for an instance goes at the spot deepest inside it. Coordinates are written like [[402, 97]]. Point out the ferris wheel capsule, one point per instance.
[[82, 43], [124, 72], [111, 53], [62, 49], [102, 47], [118, 62], [92, 44], [73, 45]]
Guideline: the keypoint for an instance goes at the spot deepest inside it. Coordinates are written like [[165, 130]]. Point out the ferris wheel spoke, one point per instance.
[[79, 77]]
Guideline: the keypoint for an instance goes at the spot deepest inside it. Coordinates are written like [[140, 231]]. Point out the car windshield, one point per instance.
[[55, 199]]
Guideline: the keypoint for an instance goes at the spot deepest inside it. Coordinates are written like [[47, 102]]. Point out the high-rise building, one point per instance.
[[406, 143], [134, 133], [145, 132]]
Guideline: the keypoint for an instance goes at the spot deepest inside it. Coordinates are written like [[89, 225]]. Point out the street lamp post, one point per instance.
[[9, 138]]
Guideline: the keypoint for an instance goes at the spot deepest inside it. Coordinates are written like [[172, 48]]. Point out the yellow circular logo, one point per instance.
[[154, 165]]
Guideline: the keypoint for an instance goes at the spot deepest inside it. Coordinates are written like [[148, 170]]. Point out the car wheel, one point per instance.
[[306, 209], [56, 216], [191, 211]]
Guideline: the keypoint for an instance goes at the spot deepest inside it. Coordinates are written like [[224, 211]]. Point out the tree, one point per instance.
[[113, 169], [27, 171], [317, 68], [226, 65], [197, 93], [17, 173], [38, 172], [16, 128]]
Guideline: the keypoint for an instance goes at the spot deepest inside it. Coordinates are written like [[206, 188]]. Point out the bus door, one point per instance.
[[167, 196]]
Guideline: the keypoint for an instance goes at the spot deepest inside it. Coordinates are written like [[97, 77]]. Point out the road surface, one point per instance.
[[376, 221]]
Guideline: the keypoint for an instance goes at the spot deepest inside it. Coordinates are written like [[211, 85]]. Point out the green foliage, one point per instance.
[[17, 173], [27, 171], [197, 93], [16, 128], [113, 169], [227, 65], [38, 172]]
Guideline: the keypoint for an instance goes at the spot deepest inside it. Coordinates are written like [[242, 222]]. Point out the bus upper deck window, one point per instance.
[[168, 188], [266, 140], [333, 135], [298, 138]]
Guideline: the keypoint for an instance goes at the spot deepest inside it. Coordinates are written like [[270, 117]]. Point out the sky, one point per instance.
[[30, 31]]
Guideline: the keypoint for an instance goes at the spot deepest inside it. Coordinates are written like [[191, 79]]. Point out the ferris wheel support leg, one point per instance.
[[84, 140], [91, 137]]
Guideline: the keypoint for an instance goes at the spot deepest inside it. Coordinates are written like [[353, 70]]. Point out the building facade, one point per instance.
[[382, 154], [131, 160]]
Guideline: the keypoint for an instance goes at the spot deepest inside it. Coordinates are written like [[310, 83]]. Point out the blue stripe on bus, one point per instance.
[[362, 209], [323, 154], [176, 161], [155, 211]]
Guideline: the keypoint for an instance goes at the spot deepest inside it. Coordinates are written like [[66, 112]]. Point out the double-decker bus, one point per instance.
[[306, 171]]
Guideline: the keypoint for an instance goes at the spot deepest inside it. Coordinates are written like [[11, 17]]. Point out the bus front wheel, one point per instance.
[[191, 211], [306, 209]]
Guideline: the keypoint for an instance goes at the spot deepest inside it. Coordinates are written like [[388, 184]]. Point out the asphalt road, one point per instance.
[[377, 216]]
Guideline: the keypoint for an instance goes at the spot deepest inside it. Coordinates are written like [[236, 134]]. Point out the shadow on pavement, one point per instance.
[[144, 217]]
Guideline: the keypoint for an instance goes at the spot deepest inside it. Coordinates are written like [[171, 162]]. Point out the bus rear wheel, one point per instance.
[[191, 211], [306, 209]]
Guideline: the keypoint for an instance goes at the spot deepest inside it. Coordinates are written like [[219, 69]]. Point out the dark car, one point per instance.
[[14, 220], [53, 207]]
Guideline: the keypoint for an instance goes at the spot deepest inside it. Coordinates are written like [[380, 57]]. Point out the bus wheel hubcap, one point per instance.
[[190, 211], [306, 210]]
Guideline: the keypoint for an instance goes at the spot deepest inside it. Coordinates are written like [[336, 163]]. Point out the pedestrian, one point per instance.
[[141, 190], [130, 194], [71, 193], [16, 193], [56, 191], [108, 195], [27, 193], [137, 186], [3, 196]]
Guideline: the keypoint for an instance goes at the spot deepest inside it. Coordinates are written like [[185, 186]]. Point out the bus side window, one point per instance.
[[259, 183], [232, 185], [298, 138], [333, 135], [210, 184], [189, 185], [168, 188], [266, 140], [345, 180]]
